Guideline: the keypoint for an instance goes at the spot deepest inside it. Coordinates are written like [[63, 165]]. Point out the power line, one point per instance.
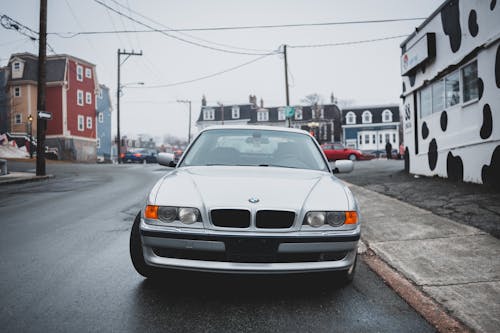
[[11, 24], [203, 77], [248, 27], [347, 42], [176, 37]]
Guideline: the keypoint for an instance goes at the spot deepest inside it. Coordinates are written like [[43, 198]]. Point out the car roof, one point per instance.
[[256, 127]]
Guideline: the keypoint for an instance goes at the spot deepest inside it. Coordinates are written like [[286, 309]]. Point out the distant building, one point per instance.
[[103, 124], [450, 66], [70, 97], [323, 121], [4, 101], [369, 128]]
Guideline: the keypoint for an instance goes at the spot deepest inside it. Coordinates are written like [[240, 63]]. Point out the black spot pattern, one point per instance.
[[491, 174], [432, 155], [404, 87], [411, 77], [480, 87], [487, 127], [425, 130], [454, 167], [493, 3], [497, 67], [450, 19], [473, 27], [444, 121]]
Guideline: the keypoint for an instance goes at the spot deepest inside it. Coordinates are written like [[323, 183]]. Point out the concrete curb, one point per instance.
[[23, 179]]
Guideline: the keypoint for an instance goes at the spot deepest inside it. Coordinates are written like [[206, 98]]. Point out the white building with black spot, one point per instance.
[[369, 128], [450, 68]]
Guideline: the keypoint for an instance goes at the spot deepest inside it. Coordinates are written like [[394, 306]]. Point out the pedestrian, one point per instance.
[[388, 150]]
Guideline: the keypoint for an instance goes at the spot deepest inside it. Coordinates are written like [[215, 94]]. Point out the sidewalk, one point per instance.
[[21, 177], [456, 265]]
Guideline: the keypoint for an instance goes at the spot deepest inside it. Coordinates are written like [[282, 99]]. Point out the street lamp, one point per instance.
[[30, 133], [189, 125]]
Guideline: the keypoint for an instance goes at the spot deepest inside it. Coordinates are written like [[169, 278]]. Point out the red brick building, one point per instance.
[[70, 97]]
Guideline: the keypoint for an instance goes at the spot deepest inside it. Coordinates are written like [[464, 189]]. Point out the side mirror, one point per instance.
[[342, 166], [166, 159]]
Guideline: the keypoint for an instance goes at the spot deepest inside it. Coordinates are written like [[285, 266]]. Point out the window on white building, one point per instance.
[[367, 138], [88, 98], [17, 66], [101, 117], [374, 138], [438, 96], [367, 117], [79, 97], [89, 122], [262, 115], [88, 73], [470, 86], [380, 138], [208, 114], [235, 111], [98, 143], [281, 114], [393, 138], [387, 116], [80, 123], [79, 73], [425, 102], [452, 89], [298, 114], [18, 118], [387, 137], [17, 91], [350, 118]]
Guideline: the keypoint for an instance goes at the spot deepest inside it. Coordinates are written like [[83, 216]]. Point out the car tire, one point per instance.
[[353, 157], [136, 254]]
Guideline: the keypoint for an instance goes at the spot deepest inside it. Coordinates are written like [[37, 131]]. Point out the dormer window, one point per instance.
[[350, 118], [17, 69], [79, 73], [367, 117], [17, 66], [387, 116], [298, 114], [235, 112], [208, 114], [263, 115]]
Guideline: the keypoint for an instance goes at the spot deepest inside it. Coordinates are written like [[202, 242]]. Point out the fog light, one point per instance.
[[316, 219], [188, 215]]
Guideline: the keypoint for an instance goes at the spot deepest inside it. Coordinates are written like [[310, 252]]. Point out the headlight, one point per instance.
[[315, 219], [170, 214], [188, 215], [334, 219]]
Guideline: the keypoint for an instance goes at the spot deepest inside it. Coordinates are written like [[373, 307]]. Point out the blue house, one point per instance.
[[103, 135]]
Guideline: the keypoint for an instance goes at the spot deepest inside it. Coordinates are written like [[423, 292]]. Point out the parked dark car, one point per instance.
[[140, 155], [336, 151]]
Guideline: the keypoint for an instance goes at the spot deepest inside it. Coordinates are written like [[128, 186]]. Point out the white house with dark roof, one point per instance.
[[369, 128]]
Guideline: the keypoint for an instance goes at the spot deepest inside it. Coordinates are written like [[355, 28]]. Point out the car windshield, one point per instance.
[[255, 147]]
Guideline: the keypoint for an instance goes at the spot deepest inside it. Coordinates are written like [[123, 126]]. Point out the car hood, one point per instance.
[[233, 187]]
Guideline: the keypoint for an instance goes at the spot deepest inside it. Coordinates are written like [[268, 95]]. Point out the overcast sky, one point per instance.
[[366, 73]]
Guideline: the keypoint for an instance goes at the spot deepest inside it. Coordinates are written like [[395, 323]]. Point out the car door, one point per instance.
[[339, 152], [328, 150]]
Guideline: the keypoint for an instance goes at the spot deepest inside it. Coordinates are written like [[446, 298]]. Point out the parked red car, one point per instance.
[[336, 151]]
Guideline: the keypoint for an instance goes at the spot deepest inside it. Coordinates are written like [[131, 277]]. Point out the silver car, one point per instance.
[[249, 199]]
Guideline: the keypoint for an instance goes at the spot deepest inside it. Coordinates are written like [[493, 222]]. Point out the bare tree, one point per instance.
[[312, 99]]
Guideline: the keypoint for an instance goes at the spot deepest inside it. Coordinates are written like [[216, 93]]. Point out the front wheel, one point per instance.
[[136, 254], [352, 157]]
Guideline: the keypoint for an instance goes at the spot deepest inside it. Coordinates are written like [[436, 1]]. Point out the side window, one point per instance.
[[470, 86]]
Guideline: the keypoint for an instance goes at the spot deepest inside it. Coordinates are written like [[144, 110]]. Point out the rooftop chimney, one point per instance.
[[203, 101]]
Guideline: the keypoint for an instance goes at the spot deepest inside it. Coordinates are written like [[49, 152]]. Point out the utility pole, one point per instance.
[[189, 126], [118, 92], [286, 82], [41, 123], [222, 112]]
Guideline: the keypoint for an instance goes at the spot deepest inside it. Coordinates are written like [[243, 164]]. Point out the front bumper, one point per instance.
[[214, 251]]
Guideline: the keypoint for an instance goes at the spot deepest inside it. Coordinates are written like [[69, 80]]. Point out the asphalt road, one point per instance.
[[65, 267], [470, 204]]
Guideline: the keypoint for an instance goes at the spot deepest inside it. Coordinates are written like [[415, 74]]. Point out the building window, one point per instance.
[[350, 118], [367, 138], [17, 91], [281, 114], [360, 139], [88, 73], [374, 138], [262, 115], [387, 116], [99, 93], [79, 73], [79, 97], [89, 122], [425, 102], [380, 138], [452, 89], [17, 66], [367, 117], [322, 114], [438, 96], [18, 118], [235, 111], [298, 114], [208, 114], [393, 138], [80, 123], [387, 137], [98, 143], [470, 87], [101, 117], [88, 98]]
